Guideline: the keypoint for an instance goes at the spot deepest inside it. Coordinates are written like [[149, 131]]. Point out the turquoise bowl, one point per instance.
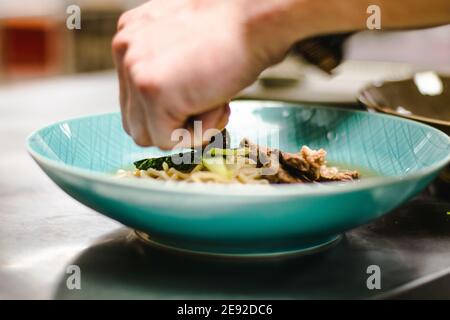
[[398, 159]]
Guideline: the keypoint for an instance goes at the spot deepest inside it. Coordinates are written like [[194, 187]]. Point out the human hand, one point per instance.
[[180, 61]]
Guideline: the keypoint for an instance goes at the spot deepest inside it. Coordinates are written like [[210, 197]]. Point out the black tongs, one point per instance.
[[325, 52]]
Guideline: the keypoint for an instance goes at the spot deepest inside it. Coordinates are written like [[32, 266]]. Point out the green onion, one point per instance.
[[229, 152]]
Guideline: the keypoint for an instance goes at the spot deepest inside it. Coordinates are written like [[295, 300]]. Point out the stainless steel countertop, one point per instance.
[[42, 231]]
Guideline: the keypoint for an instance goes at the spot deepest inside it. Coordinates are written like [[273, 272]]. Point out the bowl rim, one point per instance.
[[362, 98], [237, 189]]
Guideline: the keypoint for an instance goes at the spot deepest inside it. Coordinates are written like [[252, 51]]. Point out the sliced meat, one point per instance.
[[306, 163], [334, 174], [316, 158], [283, 176], [306, 166], [295, 161]]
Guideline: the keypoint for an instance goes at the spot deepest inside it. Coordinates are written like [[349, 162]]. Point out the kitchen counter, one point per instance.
[[43, 231]]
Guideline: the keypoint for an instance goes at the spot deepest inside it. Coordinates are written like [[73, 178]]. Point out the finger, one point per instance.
[[131, 28], [136, 115], [138, 126], [165, 129], [119, 49], [224, 119], [126, 104], [132, 15], [212, 122], [210, 119], [161, 117]]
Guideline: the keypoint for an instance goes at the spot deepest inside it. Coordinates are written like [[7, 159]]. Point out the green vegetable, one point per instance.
[[157, 163], [229, 152], [217, 165], [214, 161]]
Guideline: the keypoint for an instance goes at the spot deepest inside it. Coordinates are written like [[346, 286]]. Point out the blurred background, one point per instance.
[[35, 43]]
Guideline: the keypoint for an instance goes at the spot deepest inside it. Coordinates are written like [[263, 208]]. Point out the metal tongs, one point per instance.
[[325, 52]]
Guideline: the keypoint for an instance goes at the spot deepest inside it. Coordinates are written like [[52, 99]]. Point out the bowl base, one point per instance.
[[299, 250]]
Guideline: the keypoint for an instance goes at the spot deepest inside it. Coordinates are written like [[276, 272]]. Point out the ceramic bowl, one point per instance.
[[398, 158]]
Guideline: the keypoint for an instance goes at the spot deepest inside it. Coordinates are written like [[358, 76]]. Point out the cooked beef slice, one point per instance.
[[283, 176], [306, 166], [307, 163], [292, 167]]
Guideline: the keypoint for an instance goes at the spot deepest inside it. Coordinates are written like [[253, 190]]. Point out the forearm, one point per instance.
[[395, 14], [288, 21]]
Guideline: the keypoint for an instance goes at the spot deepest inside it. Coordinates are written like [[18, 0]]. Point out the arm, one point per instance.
[[181, 60], [299, 18]]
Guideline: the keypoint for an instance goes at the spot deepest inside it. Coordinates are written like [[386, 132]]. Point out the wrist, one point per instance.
[[281, 23], [276, 25]]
